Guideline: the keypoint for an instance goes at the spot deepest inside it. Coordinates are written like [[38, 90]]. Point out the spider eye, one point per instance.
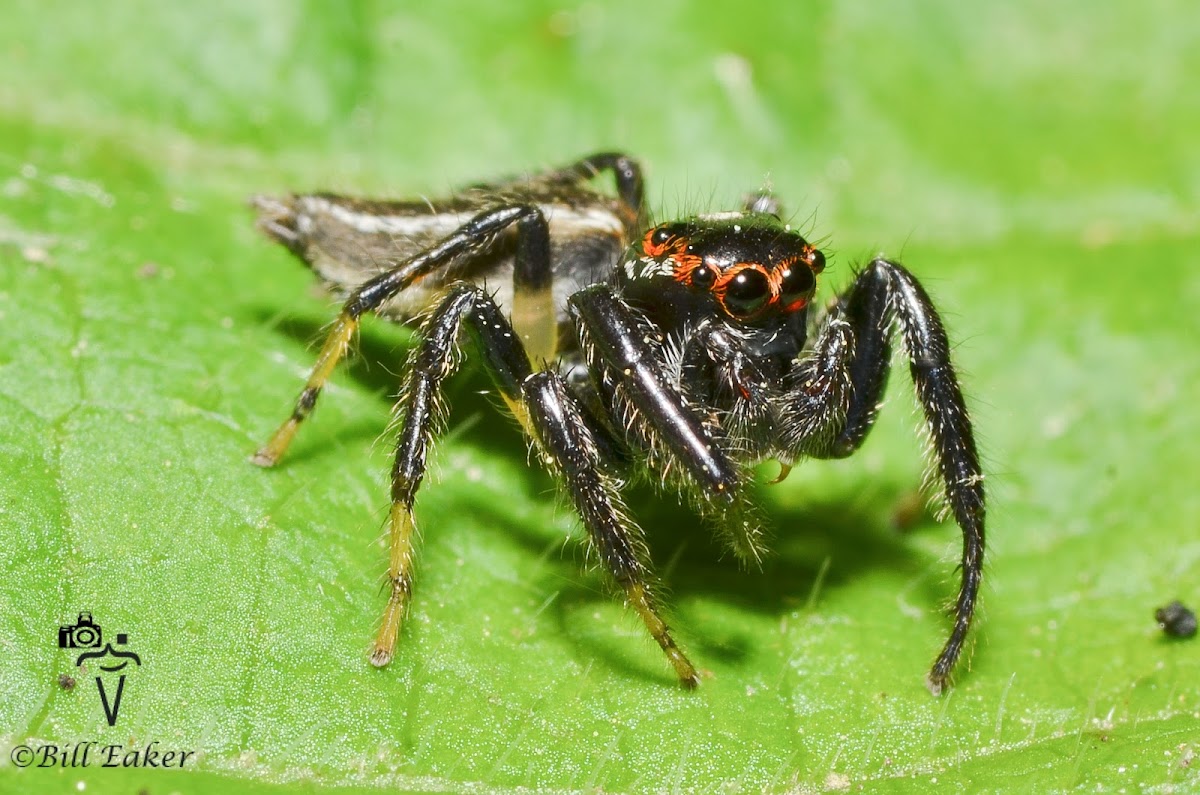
[[747, 292], [660, 237], [816, 261], [703, 277], [795, 283]]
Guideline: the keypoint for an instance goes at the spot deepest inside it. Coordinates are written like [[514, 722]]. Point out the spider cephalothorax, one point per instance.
[[683, 348], [749, 262]]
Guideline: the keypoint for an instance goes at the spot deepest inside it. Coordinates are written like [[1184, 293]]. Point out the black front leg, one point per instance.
[[616, 342], [661, 418], [835, 394]]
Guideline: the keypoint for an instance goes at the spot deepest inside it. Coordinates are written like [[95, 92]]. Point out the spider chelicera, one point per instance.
[[685, 349]]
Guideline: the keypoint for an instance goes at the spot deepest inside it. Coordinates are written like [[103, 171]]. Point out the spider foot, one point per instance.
[[399, 579], [639, 599], [270, 453]]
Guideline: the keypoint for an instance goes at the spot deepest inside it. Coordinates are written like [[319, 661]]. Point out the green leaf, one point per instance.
[[1035, 166]]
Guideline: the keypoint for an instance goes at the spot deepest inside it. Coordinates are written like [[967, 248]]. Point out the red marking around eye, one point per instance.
[[653, 250], [686, 265], [728, 276], [776, 277], [673, 246], [725, 278], [675, 251]]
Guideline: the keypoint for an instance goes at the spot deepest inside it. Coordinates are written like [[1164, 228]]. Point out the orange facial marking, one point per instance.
[[731, 273], [809, 259], [674, 250], [685, 265], [653, 249], [775, 277]]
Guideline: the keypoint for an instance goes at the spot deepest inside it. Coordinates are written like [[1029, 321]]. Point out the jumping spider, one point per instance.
[[681, 348]]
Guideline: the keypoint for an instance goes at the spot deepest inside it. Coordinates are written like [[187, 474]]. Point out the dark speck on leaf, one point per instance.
[[1176, 620]]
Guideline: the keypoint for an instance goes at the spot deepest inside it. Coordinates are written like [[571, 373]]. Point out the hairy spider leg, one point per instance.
[[568, 439], [750, 424], [576, 455], [842, 382], [626, 172], [471, 238], [431, 362], [617, 345], [626, 359], [534, 313]]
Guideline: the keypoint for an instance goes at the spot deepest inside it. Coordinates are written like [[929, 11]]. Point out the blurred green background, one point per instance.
[[1036, 166]]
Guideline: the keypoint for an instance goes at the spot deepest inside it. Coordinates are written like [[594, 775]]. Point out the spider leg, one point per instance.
[[575, 453], [716, 366], [715, 369], [626, 172], [821, 387], [553, 417], [835, 396], [617, 345], [532, 275], [434, 360], [624, 354], [533, 311]]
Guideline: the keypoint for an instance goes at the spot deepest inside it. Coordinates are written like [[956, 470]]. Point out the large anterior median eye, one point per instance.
[[747, 292], [795, 283]]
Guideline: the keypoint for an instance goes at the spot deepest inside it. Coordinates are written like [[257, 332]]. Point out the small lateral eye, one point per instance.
[[660, 237], [703, 277], [795, 284], [816, 261], [747, 292]]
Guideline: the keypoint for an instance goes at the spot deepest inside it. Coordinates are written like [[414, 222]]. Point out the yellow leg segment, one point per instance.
[[522, 416], [332, 352], [639, 599], [536, 323], [399, 576]]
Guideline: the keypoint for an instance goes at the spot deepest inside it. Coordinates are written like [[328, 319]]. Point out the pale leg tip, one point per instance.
[[935, 684], [380, 658], [263, 458]]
